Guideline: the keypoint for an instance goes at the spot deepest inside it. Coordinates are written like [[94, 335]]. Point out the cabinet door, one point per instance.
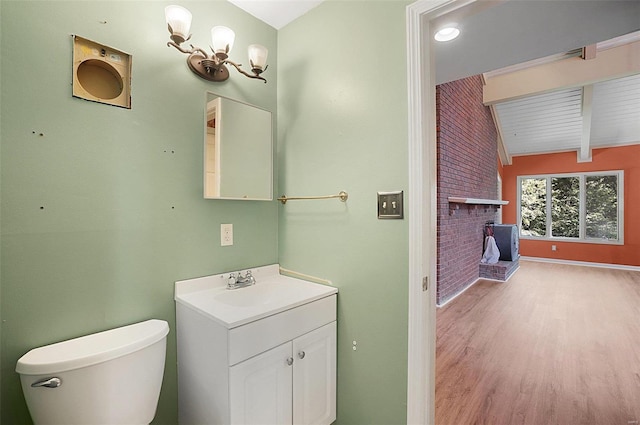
[[260, 388], [314, 377]]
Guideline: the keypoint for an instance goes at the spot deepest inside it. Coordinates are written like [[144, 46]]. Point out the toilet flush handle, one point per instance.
[[48, 382]]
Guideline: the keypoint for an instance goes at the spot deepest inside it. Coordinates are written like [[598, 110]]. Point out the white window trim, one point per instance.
[[583, 206]]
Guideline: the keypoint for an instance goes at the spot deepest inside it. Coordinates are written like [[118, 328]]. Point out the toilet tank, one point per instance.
[[112, 377]]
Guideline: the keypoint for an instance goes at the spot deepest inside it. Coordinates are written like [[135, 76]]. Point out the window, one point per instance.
[[576, 207]]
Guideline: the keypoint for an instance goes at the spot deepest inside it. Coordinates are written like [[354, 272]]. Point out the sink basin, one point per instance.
[[255, 296], [271, 294]]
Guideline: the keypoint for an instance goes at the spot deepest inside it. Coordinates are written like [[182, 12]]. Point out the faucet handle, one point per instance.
[[250, 277], [231, 280]]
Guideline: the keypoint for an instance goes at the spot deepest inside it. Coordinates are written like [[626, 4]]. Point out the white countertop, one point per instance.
[[272, 293]]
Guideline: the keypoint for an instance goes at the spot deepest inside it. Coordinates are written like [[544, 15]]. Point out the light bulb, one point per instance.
[[447, 34]]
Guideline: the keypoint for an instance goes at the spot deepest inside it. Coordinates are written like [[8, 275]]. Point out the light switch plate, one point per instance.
[[226, 234], [390, 205]]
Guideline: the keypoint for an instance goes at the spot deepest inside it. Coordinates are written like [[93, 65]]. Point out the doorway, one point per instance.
[[421, 16], [422, 209]]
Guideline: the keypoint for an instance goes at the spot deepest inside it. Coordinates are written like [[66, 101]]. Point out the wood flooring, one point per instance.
[[556, 344]]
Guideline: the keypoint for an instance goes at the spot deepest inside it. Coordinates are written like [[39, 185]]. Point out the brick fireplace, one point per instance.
[[467, 167]]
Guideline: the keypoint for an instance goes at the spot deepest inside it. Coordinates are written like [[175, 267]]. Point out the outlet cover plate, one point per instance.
[[226, 234], [390, 205]]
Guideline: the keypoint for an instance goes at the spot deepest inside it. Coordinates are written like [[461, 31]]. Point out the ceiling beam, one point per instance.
[[589, 52], [503, 152], [617, 62], [505, 157], [584, 154]]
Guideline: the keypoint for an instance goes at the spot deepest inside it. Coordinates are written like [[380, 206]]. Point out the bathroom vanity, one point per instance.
[[261, 354]]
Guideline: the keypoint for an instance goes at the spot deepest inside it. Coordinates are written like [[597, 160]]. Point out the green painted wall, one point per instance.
[[342, 114], [104, 211]]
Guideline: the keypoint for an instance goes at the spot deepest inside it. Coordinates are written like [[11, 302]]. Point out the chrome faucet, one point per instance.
[[239, 281]]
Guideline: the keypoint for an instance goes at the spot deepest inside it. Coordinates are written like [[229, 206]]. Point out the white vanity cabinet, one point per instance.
[[292, 383], [273, 365]]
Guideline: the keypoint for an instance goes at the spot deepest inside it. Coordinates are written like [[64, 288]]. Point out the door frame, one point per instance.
[[422, 206]]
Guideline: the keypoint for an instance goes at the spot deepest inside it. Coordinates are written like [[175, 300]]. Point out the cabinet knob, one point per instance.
[[301, 354], [290, 361]]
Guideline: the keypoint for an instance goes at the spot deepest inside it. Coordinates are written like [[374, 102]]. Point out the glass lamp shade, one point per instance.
[[221, 37], [179, 19], [258, 56]]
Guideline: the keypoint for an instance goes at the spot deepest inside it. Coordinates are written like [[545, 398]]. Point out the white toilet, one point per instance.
[[112, 377]]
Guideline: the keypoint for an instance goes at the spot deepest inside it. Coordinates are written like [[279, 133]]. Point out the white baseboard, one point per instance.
[[458, 294], [582, 263], [546, 260], [473, 283]]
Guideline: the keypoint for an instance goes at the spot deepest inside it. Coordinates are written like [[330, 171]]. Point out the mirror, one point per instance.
[[238, 150]]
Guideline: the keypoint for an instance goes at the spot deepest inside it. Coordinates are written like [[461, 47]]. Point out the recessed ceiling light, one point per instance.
[[447, 34]]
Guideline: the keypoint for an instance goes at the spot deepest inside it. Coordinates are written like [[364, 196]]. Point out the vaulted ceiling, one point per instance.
[[577, 101]]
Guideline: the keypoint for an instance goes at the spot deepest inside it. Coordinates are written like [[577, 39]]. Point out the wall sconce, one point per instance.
[[212, 67]]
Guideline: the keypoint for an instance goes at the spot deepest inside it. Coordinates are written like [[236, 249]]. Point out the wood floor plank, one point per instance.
[[556, 344]]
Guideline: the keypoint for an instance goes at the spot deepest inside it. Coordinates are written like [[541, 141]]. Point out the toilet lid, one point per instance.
[[92, 349]]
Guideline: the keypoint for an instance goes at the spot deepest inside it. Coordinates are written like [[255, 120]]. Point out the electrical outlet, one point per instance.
[[553, 248], [226, 234]]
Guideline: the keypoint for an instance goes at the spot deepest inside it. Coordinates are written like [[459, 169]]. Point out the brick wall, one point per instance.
[[467, 167]]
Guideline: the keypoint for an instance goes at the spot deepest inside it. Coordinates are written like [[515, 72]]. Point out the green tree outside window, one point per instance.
[[575, 206]]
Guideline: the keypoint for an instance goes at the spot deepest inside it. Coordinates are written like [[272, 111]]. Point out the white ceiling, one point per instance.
[[276, 13], [501, 33], [616, 112], [542, 123], [553, 122]]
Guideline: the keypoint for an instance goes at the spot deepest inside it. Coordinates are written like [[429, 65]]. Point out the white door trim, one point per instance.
[[422, 207]]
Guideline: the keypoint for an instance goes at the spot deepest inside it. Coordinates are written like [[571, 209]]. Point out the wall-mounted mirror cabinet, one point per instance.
[[238, 150]]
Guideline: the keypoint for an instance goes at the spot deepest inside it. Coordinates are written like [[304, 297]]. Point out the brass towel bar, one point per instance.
[[342, 195]]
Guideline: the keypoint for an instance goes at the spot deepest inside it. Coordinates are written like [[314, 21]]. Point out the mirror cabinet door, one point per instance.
[[238, 150]]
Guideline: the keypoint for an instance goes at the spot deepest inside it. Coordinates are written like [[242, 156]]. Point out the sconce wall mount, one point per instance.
[[211, 67]]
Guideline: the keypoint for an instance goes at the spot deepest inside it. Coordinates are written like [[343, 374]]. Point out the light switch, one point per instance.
[[390, 205]]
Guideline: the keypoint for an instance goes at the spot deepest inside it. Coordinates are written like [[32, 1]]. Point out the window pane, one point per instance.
[[602, 207], [533, 207], [565, 207]]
